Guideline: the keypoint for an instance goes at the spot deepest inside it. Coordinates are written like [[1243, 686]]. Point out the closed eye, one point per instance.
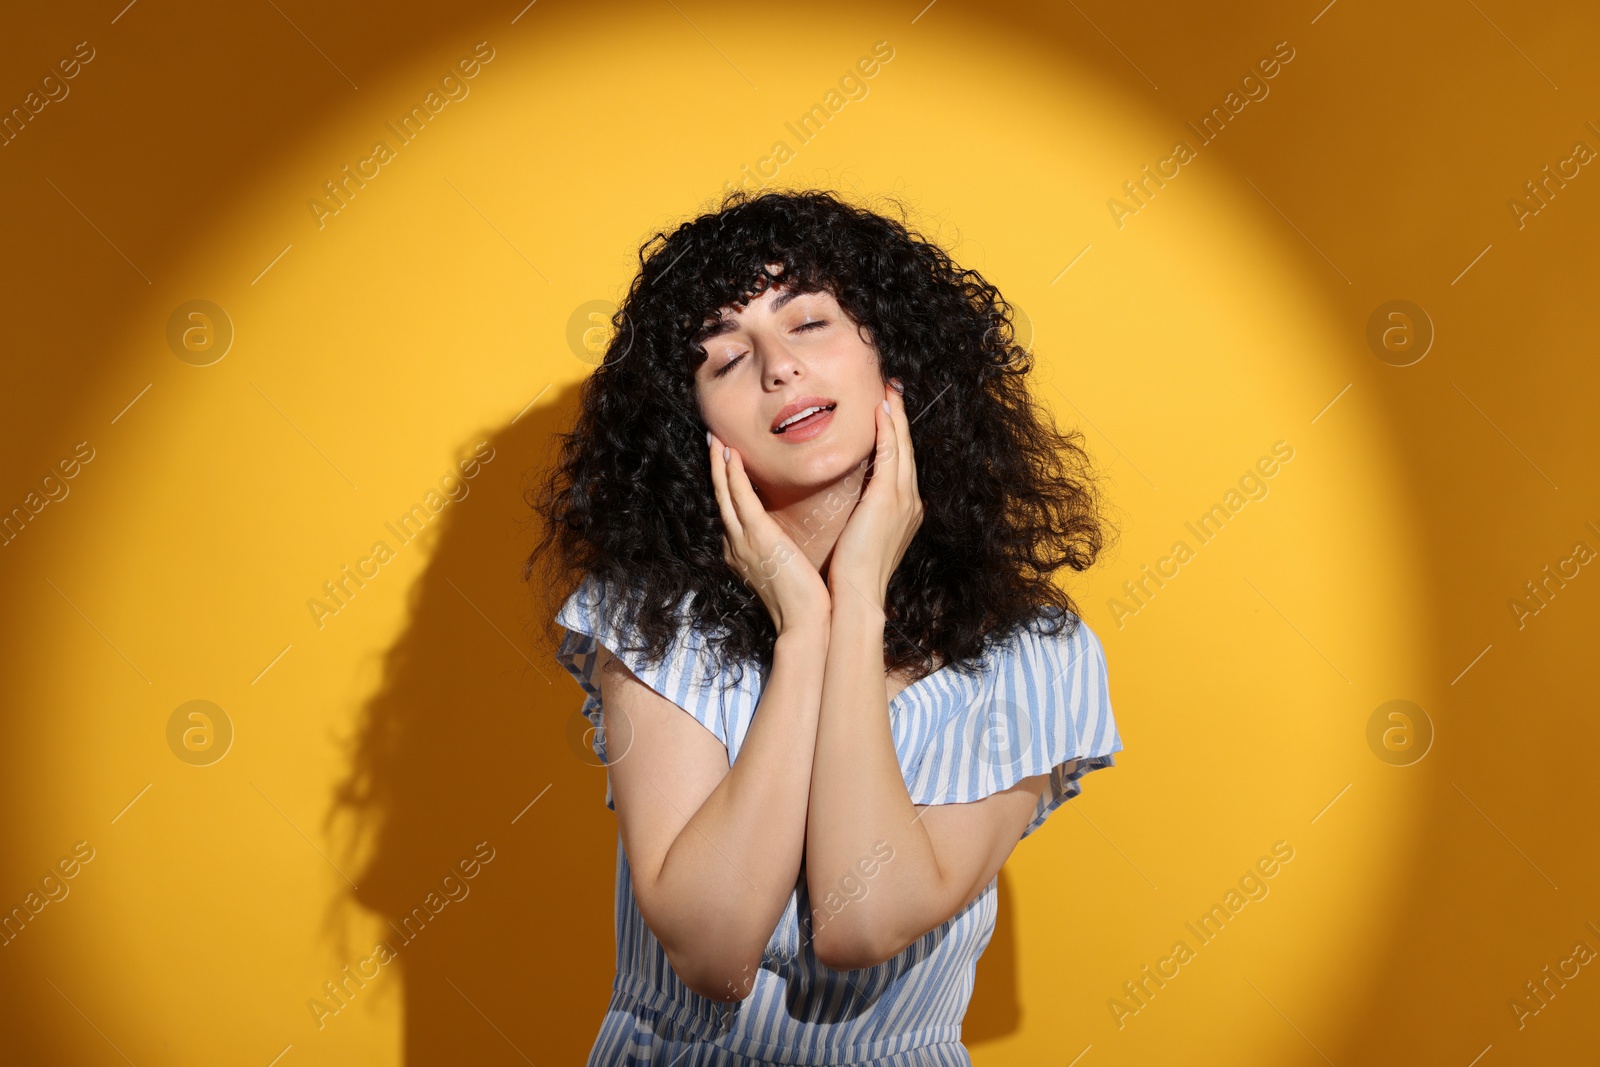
[[726, 367]]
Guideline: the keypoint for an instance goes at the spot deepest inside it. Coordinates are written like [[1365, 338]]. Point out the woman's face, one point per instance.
[[778, 355]]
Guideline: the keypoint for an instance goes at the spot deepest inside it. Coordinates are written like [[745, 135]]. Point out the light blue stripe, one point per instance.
[[906, 1011]]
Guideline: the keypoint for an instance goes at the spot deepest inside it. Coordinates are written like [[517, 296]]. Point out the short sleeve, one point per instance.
[[1043, 708], [684, 674]]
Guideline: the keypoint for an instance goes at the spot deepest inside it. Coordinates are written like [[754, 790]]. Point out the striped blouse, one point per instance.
[[1039, 705]]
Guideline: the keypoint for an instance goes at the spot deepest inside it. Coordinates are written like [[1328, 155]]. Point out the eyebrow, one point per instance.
[[728, 325]]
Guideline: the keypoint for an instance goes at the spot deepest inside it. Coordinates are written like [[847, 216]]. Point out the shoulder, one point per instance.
[[1052, 650], [1047, 711], [599, 615], [1044, 699], [609, 613]]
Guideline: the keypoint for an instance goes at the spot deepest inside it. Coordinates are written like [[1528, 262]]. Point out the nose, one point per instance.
[[779, 361]]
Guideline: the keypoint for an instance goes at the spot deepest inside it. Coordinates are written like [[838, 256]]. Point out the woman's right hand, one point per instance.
[[760, 552]]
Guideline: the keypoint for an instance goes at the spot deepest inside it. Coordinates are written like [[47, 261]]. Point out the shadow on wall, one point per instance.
[[502, 929], [498, 905]]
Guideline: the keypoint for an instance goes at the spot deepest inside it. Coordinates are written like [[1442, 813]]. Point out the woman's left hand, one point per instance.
[[887, 516]]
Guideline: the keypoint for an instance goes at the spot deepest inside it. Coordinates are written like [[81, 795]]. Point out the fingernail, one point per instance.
[[708, 438], [725, 451], [899, 386], [886, 405]]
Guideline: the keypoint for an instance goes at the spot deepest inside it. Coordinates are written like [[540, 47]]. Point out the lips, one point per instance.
[[796, 406]]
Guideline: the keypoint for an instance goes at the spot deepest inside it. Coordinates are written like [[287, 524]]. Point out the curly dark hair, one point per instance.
[[1008, 499]]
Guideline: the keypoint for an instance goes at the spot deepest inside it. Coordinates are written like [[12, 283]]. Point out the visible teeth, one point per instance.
[[797, 416]]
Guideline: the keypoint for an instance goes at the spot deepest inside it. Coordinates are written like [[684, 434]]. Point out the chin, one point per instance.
[[827, 469], [793, 475]]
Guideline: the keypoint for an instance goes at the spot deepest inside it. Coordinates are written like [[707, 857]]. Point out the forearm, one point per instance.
[[727, 878], [860, 807]]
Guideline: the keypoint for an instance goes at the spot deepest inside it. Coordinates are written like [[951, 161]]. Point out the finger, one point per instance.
[[719, 482], [906, 465], [888, 451], [902, 426], [872, 466], [743, 493]]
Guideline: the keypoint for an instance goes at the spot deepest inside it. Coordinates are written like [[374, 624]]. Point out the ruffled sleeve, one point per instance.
[[1043, 708], [684, 675]]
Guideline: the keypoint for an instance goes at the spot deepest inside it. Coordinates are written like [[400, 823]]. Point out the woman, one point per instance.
[[808, 501]]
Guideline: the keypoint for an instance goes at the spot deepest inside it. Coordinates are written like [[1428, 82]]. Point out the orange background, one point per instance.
[[352, 759]]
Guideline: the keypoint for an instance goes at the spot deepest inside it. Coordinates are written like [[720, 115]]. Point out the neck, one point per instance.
[[814, 517]]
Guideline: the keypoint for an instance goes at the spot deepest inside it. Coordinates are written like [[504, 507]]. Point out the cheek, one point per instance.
[[731, 419], [719, 415], [866, 426], [860, 435]]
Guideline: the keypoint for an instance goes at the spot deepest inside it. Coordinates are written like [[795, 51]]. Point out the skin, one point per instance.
[[717, 849]]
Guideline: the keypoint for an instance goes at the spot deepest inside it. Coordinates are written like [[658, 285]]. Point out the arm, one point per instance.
[[938, 859], [941, 855], [715, 850]]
